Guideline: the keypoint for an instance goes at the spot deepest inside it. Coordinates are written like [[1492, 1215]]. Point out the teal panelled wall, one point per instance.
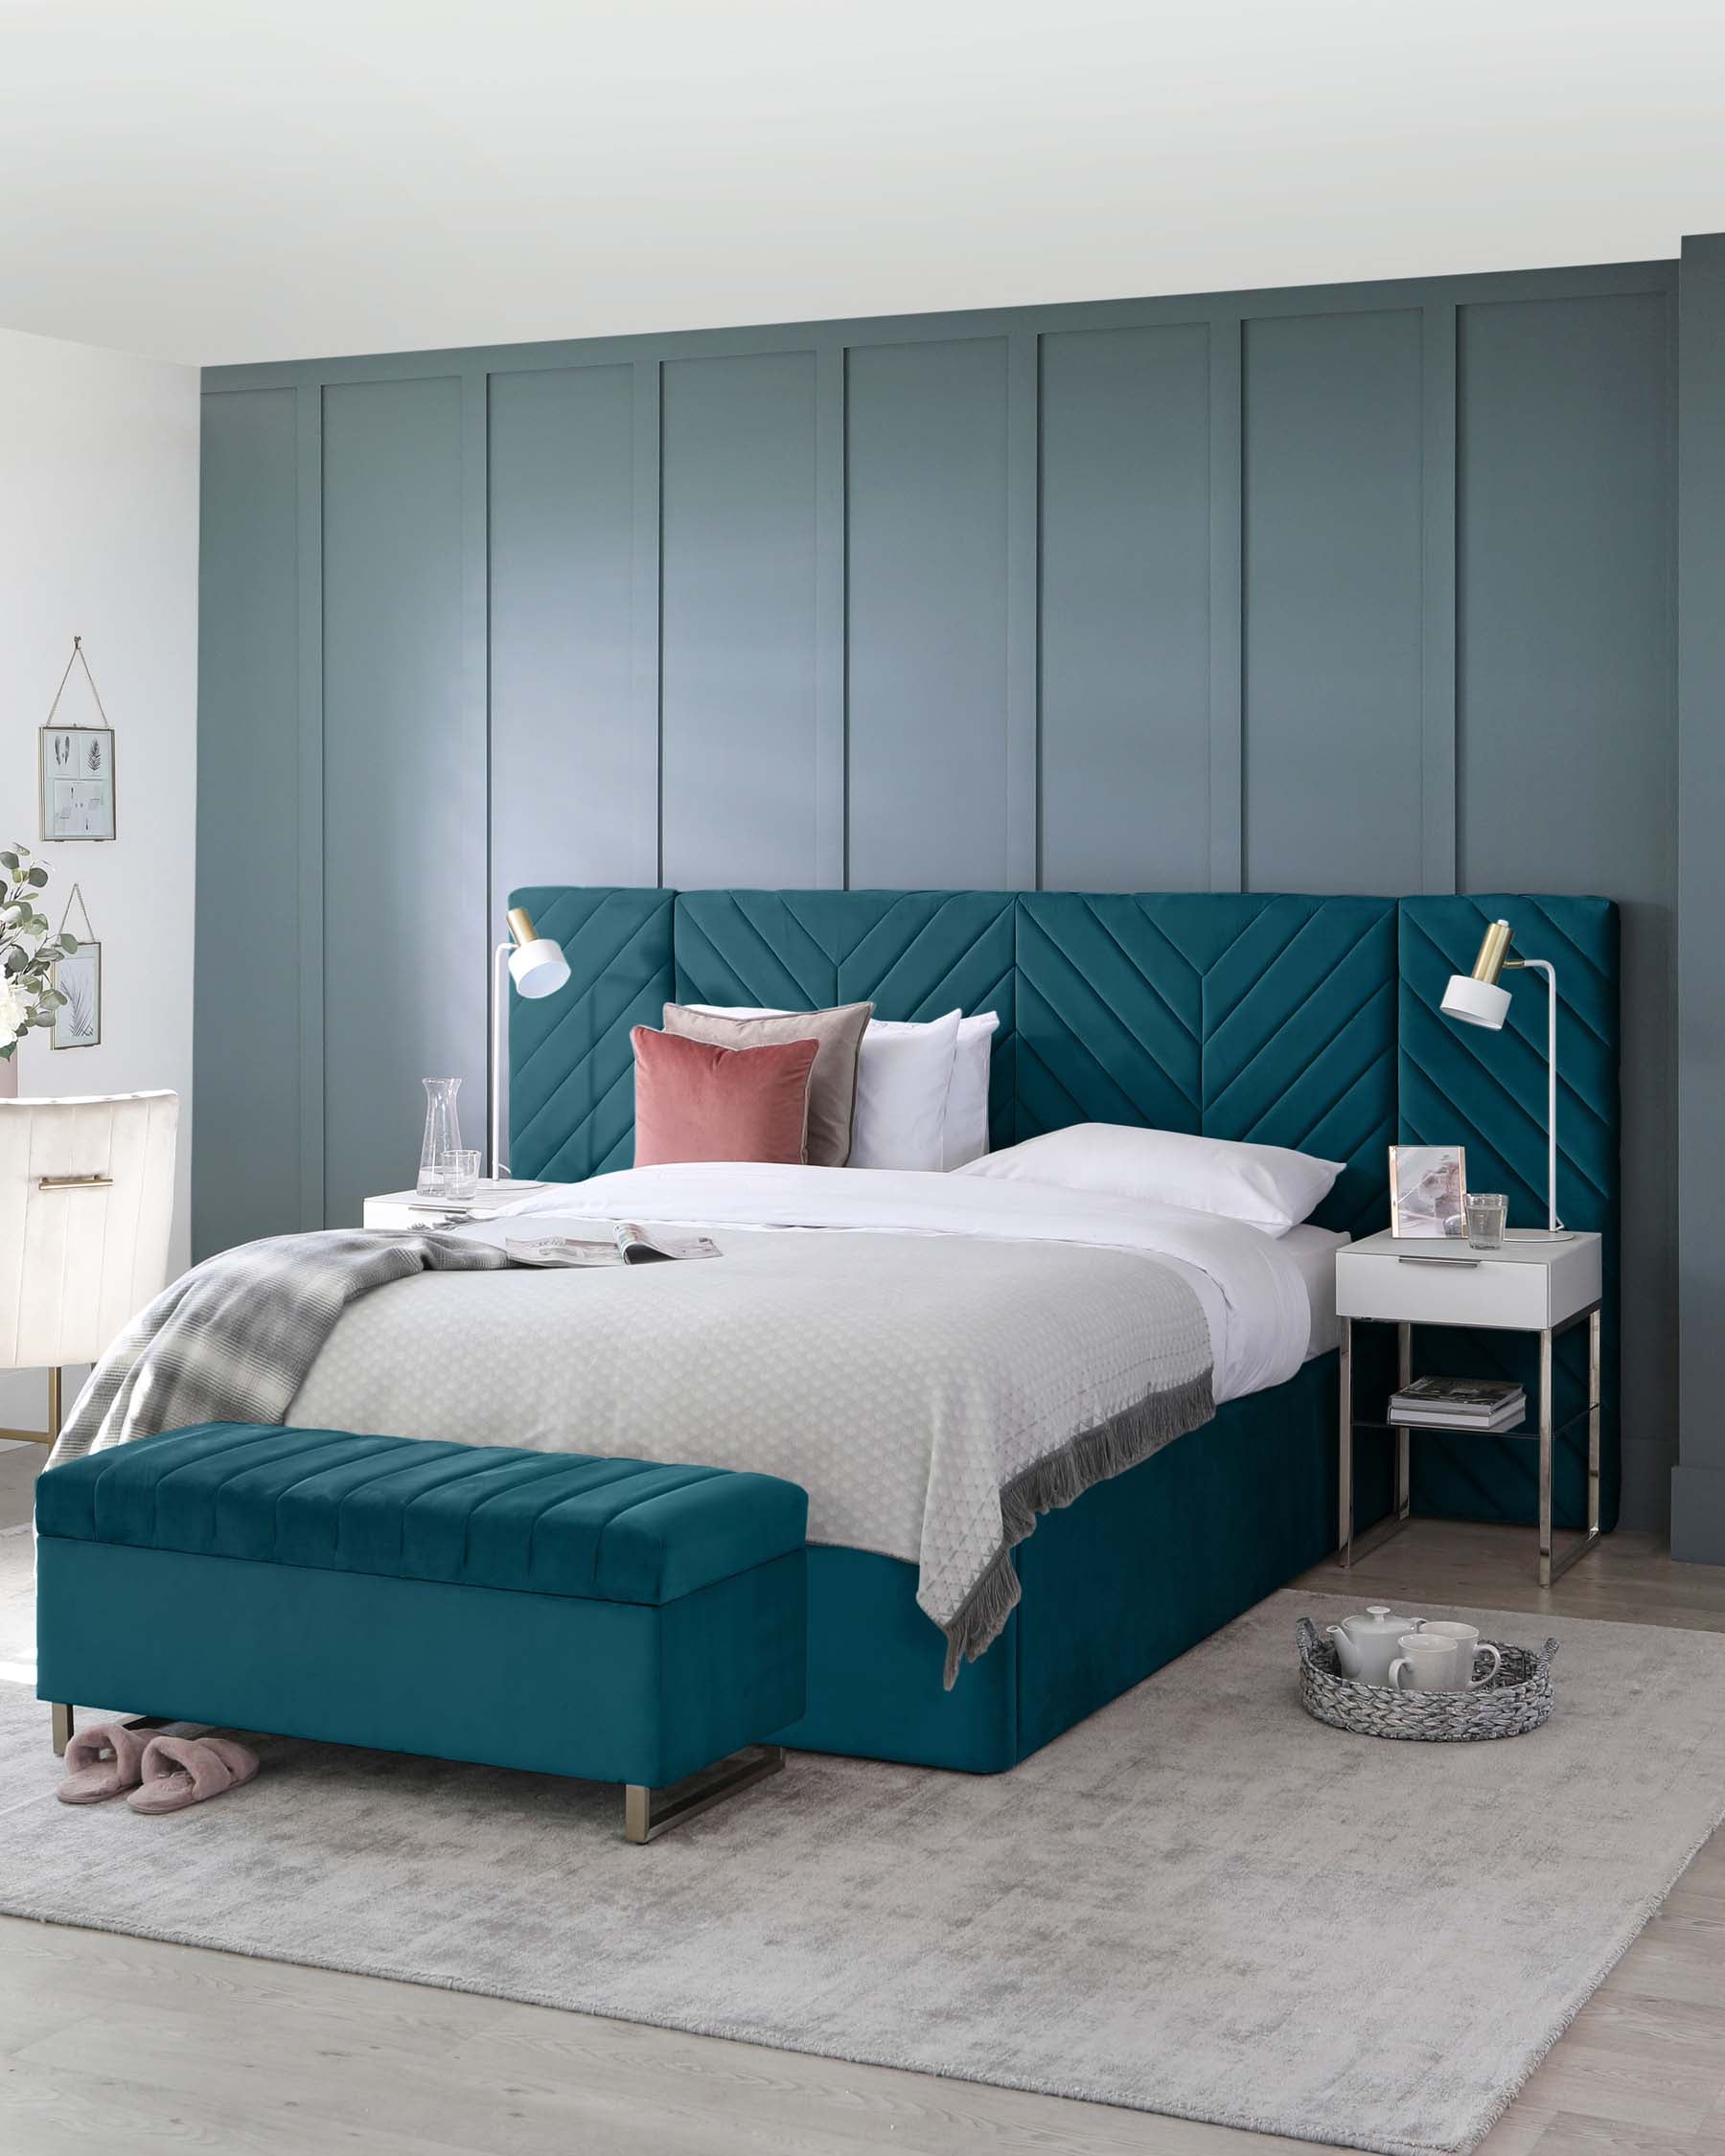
[[1355, 589]]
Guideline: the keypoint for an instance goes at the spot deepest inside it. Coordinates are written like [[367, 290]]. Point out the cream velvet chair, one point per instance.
[[86, 1197]]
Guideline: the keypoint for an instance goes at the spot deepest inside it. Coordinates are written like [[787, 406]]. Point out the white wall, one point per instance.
[[98, 538]]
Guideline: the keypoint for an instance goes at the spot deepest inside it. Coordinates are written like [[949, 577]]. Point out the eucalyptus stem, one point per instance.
[[29, 950]]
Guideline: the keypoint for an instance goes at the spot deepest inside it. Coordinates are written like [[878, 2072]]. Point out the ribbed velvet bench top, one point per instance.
[[610, 1531]]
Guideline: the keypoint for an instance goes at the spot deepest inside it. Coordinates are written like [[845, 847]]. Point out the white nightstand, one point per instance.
[[1531, 1285], [396, 1209]]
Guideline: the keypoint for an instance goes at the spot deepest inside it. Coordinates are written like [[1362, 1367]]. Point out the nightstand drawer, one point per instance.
[[1495, 1293]]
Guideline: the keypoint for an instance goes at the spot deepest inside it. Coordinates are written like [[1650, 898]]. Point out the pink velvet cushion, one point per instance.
[[698, 1102]]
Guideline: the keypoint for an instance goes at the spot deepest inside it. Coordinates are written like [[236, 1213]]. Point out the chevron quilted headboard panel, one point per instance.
[[1292, 1021], [1266, 1018]]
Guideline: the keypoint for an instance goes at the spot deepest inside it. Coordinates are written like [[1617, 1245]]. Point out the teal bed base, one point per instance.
[[1135, 1572]]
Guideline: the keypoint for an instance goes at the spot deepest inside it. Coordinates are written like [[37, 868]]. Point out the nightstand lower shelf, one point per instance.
[[1553, 1563]]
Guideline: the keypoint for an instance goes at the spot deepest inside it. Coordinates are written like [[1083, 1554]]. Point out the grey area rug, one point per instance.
[[1199, 1902]]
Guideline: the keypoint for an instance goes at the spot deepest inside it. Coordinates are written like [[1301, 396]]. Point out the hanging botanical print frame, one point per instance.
[[77, 770], [77, 1020], [77, 977]]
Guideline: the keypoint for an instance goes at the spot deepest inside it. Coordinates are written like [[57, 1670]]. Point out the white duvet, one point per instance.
[[933, 1358], [1258, 1312]]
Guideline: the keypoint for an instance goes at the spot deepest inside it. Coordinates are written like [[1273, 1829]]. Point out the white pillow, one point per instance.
[[904, 1074], [903, 1077], [966, 1129], [1265, 1186]]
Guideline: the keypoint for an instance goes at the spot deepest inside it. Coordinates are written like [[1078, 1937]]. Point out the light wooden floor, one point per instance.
[[110, 2043]]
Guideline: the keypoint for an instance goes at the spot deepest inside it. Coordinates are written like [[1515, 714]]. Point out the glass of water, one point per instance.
[[1486, 1215], [460, 1178]]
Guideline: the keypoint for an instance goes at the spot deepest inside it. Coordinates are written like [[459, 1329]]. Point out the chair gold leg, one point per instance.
[[54, 1406], [63, 1730]]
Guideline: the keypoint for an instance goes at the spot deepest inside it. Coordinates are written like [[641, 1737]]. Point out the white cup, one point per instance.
[[1430, 1664], [1465, 1642]]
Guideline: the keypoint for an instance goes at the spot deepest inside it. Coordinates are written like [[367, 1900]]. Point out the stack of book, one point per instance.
[[1449, 1402]]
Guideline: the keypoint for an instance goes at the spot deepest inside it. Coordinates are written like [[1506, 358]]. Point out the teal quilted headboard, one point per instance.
[[1302, 1022], [1252, 1018]]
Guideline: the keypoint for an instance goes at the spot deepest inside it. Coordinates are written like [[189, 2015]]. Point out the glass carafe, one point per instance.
[[443, 1133]]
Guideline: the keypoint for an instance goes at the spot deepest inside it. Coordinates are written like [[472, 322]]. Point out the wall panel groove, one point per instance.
[[831, 870], [644, 593], [1024, 605], [308, 897], [1438, 599], [475, 674], [1226, 794]]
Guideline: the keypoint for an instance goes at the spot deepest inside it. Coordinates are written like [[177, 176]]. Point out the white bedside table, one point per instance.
[[1531, 1285], [396, 1209]]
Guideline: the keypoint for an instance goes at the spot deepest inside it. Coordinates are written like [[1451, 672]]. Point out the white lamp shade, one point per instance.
[[1476, 1002], [541, 968]]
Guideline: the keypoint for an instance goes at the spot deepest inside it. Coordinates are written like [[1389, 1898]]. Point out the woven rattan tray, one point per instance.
[[1517, 1699]]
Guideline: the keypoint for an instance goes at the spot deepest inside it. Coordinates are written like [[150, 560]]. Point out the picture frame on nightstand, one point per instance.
[[1427, 1187]]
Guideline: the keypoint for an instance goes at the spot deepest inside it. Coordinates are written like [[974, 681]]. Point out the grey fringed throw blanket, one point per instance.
[[232, 1340]]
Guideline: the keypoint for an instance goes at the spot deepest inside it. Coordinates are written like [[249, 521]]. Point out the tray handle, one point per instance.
[[1545, 1658], [1306, 1633]]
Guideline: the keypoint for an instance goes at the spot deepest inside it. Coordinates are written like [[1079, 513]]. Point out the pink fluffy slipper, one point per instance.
[[180, 1772], [102, 1763]]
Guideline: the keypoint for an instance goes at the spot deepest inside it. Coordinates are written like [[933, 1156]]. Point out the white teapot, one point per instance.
[[1367, 1645]]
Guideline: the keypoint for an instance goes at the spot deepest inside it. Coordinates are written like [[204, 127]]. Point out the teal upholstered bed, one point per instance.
[[1294, 1020]]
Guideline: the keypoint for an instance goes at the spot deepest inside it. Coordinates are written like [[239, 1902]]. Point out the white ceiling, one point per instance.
[[226, 179]]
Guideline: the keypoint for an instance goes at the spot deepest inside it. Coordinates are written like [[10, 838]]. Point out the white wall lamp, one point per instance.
[[538, 967], [1475, 999]]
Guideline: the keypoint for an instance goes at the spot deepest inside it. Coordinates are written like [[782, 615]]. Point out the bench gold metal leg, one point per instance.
[[648, 1813]]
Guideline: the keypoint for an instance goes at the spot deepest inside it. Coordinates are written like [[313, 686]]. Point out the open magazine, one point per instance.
[[625, 1244]]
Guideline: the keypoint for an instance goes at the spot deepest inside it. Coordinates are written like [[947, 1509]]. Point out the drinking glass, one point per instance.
[[460, 1176], [1486, 1213]]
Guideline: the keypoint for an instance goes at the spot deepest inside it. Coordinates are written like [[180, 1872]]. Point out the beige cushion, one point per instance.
[[837, 1035]]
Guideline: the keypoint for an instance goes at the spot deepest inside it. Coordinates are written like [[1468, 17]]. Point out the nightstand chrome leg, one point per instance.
[[1350, 1545], [1545, 1457], [1551, 1567], [1595, 1416], [1404, 1472], [1344, 1535]]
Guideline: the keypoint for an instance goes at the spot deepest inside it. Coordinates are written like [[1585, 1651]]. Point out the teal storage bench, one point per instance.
[[605, 1619]]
